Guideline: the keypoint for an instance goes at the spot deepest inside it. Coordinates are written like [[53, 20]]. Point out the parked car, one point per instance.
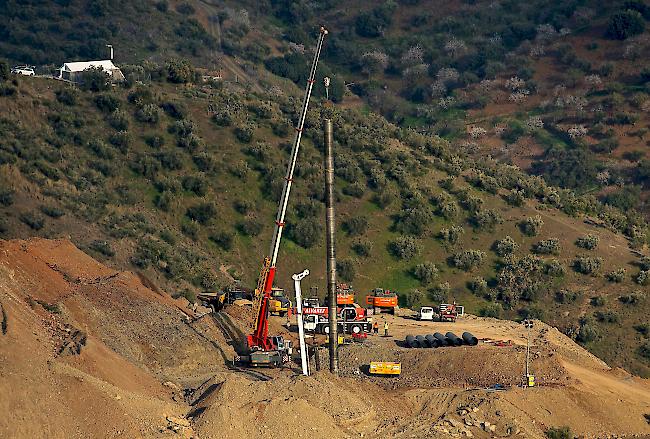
[[425, 313], [23, 70]]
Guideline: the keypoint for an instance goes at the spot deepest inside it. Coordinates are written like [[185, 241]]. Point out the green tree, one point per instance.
[[625, 24], [179, 71], [95, 79]]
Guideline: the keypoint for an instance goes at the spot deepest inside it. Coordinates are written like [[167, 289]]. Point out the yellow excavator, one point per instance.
[[279, 303]]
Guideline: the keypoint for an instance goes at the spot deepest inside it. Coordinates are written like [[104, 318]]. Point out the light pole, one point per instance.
[[110, 46], [528, 324]]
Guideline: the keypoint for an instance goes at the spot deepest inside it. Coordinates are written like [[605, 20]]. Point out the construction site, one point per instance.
[[89, 351]]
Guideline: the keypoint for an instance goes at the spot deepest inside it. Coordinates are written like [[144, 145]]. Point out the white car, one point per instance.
[[425, 313], [23, 70]]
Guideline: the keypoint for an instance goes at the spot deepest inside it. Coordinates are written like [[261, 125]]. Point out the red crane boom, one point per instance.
[[259, 339]]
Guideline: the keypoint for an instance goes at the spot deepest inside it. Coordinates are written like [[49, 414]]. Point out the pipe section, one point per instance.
[[453, 339], [441, 339], [469, 339]]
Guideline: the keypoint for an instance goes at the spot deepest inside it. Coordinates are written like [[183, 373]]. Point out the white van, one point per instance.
[[425, 313]]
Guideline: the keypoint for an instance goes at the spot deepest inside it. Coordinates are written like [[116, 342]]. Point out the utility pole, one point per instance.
[[330, 233], [110, 47]]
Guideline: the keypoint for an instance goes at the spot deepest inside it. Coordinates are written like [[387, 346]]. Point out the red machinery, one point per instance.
[[267, 350], [344, 294]]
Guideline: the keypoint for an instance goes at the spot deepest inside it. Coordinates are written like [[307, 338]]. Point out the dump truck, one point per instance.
[[382, 300], [279, 303]]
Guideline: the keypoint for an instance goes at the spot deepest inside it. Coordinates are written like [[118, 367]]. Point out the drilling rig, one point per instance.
[[268, 350]]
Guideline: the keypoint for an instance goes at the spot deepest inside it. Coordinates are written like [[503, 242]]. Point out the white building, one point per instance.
[[71, 71]]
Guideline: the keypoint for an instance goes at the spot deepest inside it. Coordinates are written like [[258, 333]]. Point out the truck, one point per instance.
[[449, 312], [425, 313], [383, 300], [279, 303], [352, 319]]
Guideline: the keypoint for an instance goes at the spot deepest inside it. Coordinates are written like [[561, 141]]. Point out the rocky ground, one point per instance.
[[87, 351]]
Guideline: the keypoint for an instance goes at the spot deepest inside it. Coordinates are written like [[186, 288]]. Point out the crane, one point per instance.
[[265, 349]]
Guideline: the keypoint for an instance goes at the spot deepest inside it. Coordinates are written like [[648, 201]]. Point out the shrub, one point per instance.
[[630, 299], [107, 102], [52, 211], [191, 142], [306, 232], [244, 133], [426, 272], [414, 221], [95, 79], [7, 197], [223, 239], [450, 236], [383, 199], [163, 201], [566, 296], [643, 329], [362, 248], [414, 298], [606, 316], [547, 247], [589, 242], [644, 352], [625, 24], [243, 206], [118, 120], [190, 229], [204, 162], [149, 113], [554, 268], [440, 292], [587, 332], [67, 96], [355, 226], [102, 247], [354, 190], [346, 270], [404, 247], [597, 301], [643, 278], [616, 276], [202, 213], [33, 220], [493, 310], [644, 263], [587, 265], [177, 110], [504, 247], [195, 184], [468, 260], [478, 286], [559, 433], [486, 219], [179, 72], [531, 226], [121, 140]]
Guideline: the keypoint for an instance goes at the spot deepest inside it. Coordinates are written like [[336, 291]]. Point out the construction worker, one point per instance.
[[385, 328], [375, 327]]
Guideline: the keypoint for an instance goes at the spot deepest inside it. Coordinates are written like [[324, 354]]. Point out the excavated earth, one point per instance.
[[90, 352]]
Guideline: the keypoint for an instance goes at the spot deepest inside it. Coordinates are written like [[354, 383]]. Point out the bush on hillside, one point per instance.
[[493, 310], [179, 72], [414, 221], [95, 79], [587, 264], [450, 236], [195, 184], [67, 96], [440, 292], [306, 232], [643, 278], [118, 120], [616, 276], [486, 220], [547, 247], [107, 103], [52, 211], [7, 197], [505, 247], [404, 247], [362, 247], [426, 272], [625, 24], [598, 301], [554, 268], [202, 213], [559, 433], [589, 242], [355, 226], [102, 247], [566, 296], [531, 226], [244, 133], [478, 286], [223, 239], [149, 113], [468, 260], [346, 269]]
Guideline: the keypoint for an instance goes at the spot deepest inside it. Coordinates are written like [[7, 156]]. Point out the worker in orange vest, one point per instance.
[[375, 327]]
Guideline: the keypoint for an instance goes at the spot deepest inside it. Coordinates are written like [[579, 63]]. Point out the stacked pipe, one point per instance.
[[437, 340]]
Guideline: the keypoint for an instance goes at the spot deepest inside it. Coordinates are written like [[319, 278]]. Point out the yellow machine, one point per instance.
[[385, 368], [279, 303]]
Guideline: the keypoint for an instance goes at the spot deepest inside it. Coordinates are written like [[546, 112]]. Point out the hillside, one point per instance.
[[179, 181], [85, 349]]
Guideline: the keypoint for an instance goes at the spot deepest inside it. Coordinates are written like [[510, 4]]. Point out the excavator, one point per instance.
[[268, 350]]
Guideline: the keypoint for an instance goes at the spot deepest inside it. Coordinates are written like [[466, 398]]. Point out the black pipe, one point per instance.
[[470, 339], [441, 339], [432, 341], [411, 342], [453, 339], [421, 341], [330, 247]]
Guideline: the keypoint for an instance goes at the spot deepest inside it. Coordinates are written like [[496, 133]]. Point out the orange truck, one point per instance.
[[344, 294], [382, 300]]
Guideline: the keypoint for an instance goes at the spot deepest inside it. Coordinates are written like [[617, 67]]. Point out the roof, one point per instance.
[[83, 65]]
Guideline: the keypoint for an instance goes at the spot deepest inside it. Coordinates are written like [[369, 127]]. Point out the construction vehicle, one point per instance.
[[449, 312], [344, 294], [381, 299], [266, 350], [352, 319], [385, 368], [216, 300], [279, 303]]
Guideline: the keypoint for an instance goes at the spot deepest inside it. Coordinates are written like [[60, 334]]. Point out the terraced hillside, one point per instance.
[[180, 181]]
